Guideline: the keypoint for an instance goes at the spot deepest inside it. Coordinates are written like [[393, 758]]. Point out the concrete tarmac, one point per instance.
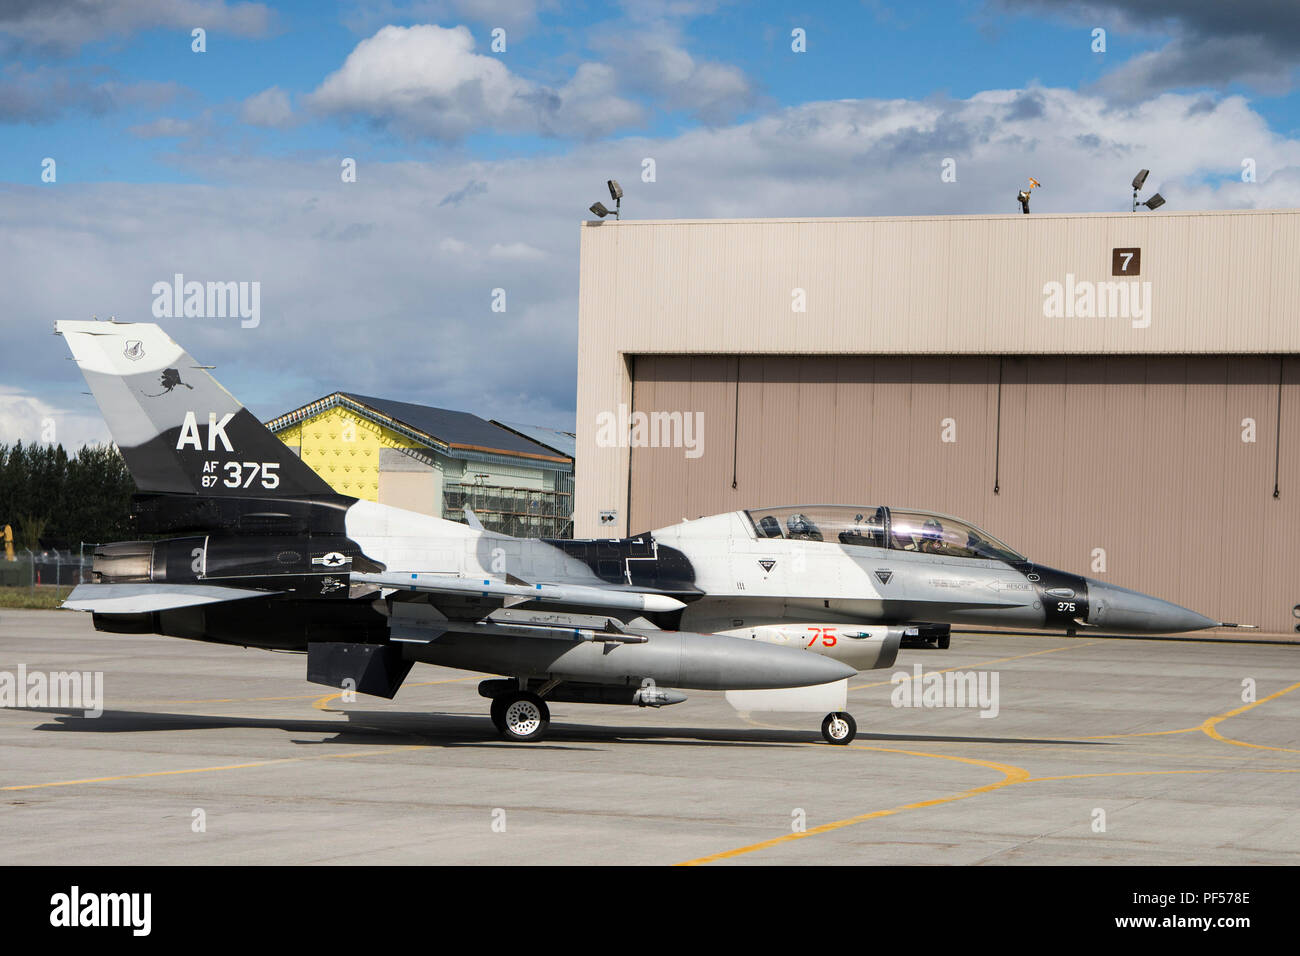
[[1101, 751]]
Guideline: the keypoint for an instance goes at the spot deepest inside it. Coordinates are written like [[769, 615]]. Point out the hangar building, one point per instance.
[[1112, 394], [518, 479]]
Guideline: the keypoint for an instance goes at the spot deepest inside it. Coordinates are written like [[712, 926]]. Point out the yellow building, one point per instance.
[[517, 479]]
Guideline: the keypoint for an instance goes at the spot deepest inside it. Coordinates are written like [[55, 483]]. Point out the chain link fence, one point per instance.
[[49, 566]]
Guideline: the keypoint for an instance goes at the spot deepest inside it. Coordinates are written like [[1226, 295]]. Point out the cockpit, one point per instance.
[[879, 527]]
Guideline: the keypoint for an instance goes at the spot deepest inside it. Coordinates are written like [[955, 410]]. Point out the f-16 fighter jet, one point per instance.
[[777, 606]]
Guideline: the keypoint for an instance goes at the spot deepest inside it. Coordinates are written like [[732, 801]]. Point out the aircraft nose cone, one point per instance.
[[1120, 609]]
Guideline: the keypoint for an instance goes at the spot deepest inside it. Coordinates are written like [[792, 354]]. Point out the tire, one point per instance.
[[943, 642], [498, 714], [524, 717], [839, 728]]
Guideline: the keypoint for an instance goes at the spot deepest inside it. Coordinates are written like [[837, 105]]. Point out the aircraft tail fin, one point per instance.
[[178, 429]]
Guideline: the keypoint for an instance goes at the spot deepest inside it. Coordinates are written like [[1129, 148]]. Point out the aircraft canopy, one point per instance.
[[880, 527]]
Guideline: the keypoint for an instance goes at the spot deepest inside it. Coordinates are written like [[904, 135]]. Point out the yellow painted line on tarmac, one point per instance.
[[997, 660], [232, 766], [1211, 724], [1145, 733], [1011, 775], [1158, 773]]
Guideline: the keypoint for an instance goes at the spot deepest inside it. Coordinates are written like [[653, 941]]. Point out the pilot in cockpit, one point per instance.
[[801, 528], [931, 537]]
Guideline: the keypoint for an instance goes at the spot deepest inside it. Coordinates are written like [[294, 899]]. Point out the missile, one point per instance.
[[518, 593]]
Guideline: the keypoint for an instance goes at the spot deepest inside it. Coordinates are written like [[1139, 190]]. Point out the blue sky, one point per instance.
[[876, 50], [475, 166]]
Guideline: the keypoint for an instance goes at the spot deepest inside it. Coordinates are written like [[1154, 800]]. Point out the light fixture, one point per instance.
[[616, 194], [1156, 200]]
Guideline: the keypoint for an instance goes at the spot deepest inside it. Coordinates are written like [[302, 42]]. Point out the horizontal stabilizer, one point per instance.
[[143, 598]]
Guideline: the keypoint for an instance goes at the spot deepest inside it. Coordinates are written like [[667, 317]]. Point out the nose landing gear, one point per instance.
[[839, 728]]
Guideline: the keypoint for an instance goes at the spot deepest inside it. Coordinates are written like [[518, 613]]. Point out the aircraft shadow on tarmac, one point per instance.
[[434, 729]]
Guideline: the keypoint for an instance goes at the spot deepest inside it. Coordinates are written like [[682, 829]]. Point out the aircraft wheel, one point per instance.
[[839, 728], [524, 716]]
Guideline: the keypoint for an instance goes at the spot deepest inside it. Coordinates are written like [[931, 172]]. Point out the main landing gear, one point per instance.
[[521, 716], [839, 728]]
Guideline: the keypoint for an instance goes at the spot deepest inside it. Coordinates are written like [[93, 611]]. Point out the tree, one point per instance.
[[47, 495]]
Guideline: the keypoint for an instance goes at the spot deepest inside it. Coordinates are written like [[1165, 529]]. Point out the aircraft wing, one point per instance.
[[143, 598], [581, 595]]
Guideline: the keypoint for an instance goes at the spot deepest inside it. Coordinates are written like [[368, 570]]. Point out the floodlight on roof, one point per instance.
[[616, 194], [1156, 200]]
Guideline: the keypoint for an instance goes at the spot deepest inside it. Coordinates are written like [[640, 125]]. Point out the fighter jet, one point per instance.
[[776, 606]]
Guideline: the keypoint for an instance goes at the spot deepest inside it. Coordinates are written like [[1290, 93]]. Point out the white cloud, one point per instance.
[[654, 60], [28, 418], [268, 108], [396, 312], [427, 81], [589, 106]]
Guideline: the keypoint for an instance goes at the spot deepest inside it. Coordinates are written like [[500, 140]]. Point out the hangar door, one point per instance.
[[1159, 469]]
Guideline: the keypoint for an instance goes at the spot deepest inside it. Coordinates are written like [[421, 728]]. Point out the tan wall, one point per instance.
[[1221, 282], [419, 491], [1141, 456]]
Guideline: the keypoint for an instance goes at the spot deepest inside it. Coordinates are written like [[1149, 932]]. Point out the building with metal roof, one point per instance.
[[562, 443], [433, 460], [1115, 394]]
